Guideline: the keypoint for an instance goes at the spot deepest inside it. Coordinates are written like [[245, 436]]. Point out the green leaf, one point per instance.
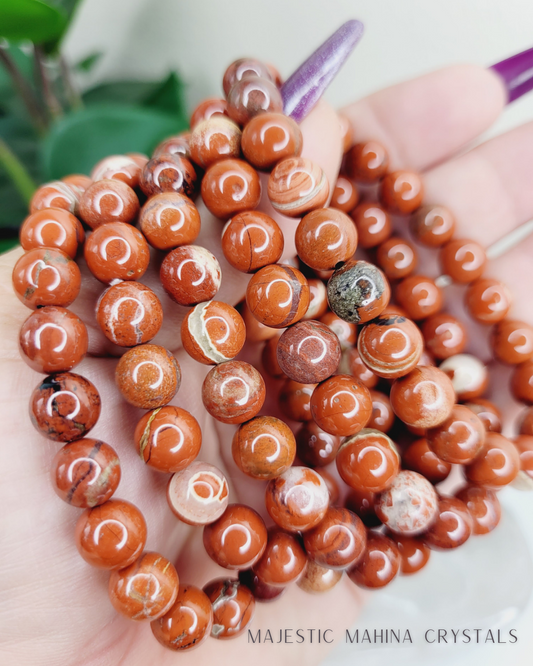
[[120, 92], [168, 96], [79, 140], [7, 244], [88, 63], [31, 19]]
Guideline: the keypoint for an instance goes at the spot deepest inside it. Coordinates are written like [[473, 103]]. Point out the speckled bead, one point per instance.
[[522, 382], [64, 407], [401, 192], [199, 494], [452, 527], [432, 226], [230, 187], [168, 173], [316, 447], [379, 564], [251, 96], [263, 447], [488, 301], [233, 392], [418, 457], [233, 607], [444, 335], [283, 561], [269, 138], [367, 162], [373, 224], [168, 220], [468, 374], [512, 341], [419, 296], [489, 414], [524, 479], [214, 139], [190, 274], [341, 405], [414, 554], [85, 473], [483, 506], [324, 237], [55, 194], [118, 167], [52, 227], [463, 260], [242, 69], [297, 500], [338, 541], [252, 240], [318, 299], [296, 186], [397, 258], [212, 107], [278, 295], [345, 195], [317, 579], [382, 418], [107, 201], [346, 333], [496, 465], [295, 400], [148, 376], [175, 145], [460, 438]]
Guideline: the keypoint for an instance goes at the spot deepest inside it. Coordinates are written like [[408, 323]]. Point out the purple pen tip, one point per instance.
[[305, 87], [517, 74]]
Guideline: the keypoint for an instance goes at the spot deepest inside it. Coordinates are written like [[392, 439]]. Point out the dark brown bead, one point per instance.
[[363, 503], [251, 96], [316, 447], [168, 173], [242, 69]]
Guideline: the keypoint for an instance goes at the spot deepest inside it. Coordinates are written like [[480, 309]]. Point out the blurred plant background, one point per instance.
[[49, 126]]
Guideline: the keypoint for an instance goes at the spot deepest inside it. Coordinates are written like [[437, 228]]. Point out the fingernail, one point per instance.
[[517, 73], [305, 87]]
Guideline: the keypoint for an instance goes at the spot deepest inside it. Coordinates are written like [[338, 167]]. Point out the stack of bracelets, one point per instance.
[[329, 337]]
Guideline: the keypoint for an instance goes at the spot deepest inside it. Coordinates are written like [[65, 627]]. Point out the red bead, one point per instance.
[[397, 258], [55, 194], [318, 299], [233, 607], [316, 447], [324, 237], [242, 69], [373, 224], [444, 335], [230, 186], [380, 562], [489, 414], [483, 506], [512, 341], [488, 301], [459, 439], [108, 201], [251, 96], [382, 418], [269, 138], [233, 392], [524, 479], [297, 186], [363, 503], [496, 465], [341, 405], [317, 579], [52, 227], [452, 527], [212, 107], [522, 382], [252, 240], [214, 139], [352, 364], [168, 173], [338, 541], [402, 192], [420, 458], [433, 226], [168, 220], [463, 260], [367, 162], [199, 494], [414, 553], [213, 332], [345, 195], [190, 274], [263, 447], [118, 167], [345, 332], [295, 400], [175, 145], [419, 296], [283, 561]]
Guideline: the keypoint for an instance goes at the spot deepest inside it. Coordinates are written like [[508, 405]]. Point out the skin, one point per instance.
[[54, 607]]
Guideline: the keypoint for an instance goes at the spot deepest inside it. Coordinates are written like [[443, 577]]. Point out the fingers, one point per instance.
[[428, 119]]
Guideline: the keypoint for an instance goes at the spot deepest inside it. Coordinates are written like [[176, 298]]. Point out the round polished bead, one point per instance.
[[463, 260], [283, 561], [373, 224], [317, 579], [213, 332], [233, 607], [116, 251], [414, 554], [112, 535], [390, 346], [46, 276], [452, 526], [295, 400], [269, 358], [525, 422], [269, 138], [483, 506], [316, 447], [85, 473], [358, 291], [175, 145], [53, 339], [129, 313], [524, 479], [168, 438], [238, 539], [324, 237], [229, 187], [418, 457], [212, 107], [469, 375], [263, 447], [512, 341], [148, 376], [397, 258], [341, 405], [52, 227], [55, 194], [242, 69], [77, 182], [424, 398], [345, 195], [64, 407], [297, 500], [199, 494], [487, 411], [496, 465], [363, 503], [261, 591], [522, 382], [444, 335], [116, 167], [190, 274], [168, 220], [409, 505], [338, 541], [252, 240], [169, 173], [352, 364], [488, 301], [367, 162], [432, 226], [253, 95], [146, 589], [318, 299], [368, 461], [297, 186], [382, 418], [345, 332], [278, 295], [108, 201], [187, 623], [419, 296], [379, 564], [401, 192], [332, 484], [214, 139], [233, 392]]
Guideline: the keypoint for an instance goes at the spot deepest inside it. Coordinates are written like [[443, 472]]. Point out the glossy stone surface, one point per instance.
[[168, 220], [214, 139], [390, 346], [463, 260], [208, 108], [168, 438], [251, 96], [522, 382], [373, 224], [512, 341], [77, 183], [382, 418], [525, 422], [146, 589], [367, 162], [397, 258], [112, 535], [424, 398], [368, 461], [524, 479], [409, 505], [324, 237], [295, 400], [252, 240], [296, 186], [233, 607], [444, 335], [345, 195], [318, 299], [283, 561], [496, 465], [176, 145], [237, 539], [262, 591], [317, 579], [363, 503], [297, 500], [64, 407], [116, 251], [460, 438], [452, 527], [338, 541], [229, 187], [263, 447], [414, 554], [483, 506], [432, 226], [122, 168], [55, 194], [269, 359], [488, 301], [242, 69], [401, 192], [169, 173], [352, 364], [148, 376], [190, 274], [278, 295], [187, 623], [213, 332], [316, 447], [85, 473], [469, 375], [419, 296], [53, 339], [108, 201], [346, 333], [379, 564], [198, 495], [358, 291], [341, 405], [46, 276], [487, 411], [52, 227], [332, 484], [418, 457], [129, 314], [233, 392], [269, 138]]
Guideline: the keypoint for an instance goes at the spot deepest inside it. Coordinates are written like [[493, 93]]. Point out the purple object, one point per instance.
[[517, 73], [305, 87]]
